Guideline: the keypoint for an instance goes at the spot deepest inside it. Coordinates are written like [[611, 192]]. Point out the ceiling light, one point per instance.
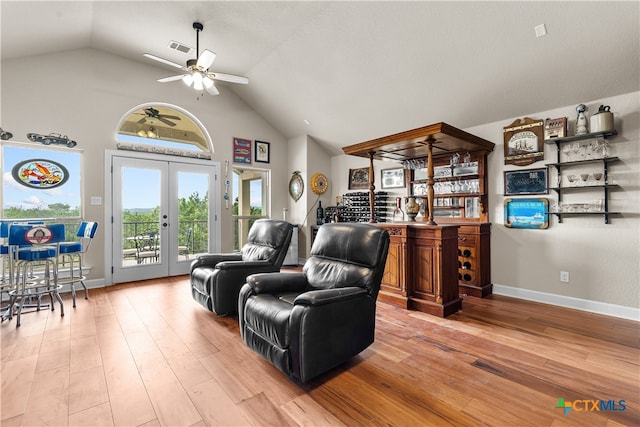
[[197, 80], [188, 79]]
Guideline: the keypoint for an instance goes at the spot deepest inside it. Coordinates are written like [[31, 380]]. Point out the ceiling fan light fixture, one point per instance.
[[197, 81], [187, 79], [206, 80]]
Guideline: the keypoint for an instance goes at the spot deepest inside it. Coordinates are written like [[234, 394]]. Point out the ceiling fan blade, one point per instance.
[[212, 90], [229, 78], [166, 122], [171, 78], [142, 120], [167, 116], [164, 61], [205, 59]]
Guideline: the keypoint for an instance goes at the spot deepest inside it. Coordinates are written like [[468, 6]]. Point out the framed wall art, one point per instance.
[[524, 142], [392, 178], [526, 213], [359, 179], [521, 182], [262, 151], [241, 150], [530, 181]]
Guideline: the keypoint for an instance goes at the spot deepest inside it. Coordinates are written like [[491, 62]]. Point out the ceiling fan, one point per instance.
[[197, 72], [152, 113]]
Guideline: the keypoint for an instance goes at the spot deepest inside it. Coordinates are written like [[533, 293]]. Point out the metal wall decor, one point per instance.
[[524, 142], [296, 186], [41, 174], [526, 213]]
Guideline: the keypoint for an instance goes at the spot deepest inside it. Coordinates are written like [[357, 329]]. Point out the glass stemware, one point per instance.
[[584, 177], [597, 176]]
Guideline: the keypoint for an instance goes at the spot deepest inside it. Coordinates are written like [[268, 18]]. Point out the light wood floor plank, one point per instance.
[[146, 354]]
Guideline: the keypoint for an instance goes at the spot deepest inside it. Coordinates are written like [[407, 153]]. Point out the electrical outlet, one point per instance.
[[564, 276]]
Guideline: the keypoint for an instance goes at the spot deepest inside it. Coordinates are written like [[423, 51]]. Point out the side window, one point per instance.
[[250, 197], [40, 182]]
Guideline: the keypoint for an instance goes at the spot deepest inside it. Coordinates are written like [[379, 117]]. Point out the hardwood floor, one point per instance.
[[146, 354]]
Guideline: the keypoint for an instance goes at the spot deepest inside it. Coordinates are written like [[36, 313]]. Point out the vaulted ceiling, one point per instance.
[[360, 70]]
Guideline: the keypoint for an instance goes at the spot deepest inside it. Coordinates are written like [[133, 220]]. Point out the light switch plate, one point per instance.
[[96, 200]]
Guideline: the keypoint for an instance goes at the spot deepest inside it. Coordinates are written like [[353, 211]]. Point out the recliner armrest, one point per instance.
[[329, 296], [273, 283], [244, 265], [210, 260]]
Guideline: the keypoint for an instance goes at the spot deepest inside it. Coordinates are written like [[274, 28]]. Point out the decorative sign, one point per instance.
[[555, 128], [241, 150], [38, 235], [526, 213], [40, 174], [523, 142], [530, 181]]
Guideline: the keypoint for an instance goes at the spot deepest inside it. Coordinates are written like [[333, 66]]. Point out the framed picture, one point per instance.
[[263, 151], [524, 142], [359, 179], [526, 213], [392, 178], [530, 181], [241, 150]]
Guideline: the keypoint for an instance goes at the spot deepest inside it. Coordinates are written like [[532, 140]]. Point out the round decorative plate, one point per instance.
[[296, 186], [319, 183]]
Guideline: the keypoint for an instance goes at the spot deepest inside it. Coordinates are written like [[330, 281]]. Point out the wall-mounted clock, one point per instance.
[[319, 183], [296, 186]]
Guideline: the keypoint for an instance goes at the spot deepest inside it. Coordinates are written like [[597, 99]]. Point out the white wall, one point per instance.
[[308, 157], [603, 259], [84, 93]]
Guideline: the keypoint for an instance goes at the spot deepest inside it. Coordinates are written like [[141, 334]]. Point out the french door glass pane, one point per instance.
[[193, 214], [141, 215]]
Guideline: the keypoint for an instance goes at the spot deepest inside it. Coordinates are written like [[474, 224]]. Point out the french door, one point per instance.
[[162, 216]]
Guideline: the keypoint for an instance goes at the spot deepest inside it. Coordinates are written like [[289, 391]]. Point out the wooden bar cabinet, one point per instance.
[[447, 254]]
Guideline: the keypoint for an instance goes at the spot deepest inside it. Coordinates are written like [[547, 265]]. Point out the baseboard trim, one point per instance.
[[597, 307]]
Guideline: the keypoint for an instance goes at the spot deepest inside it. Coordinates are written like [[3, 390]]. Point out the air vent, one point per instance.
[[179, 47]]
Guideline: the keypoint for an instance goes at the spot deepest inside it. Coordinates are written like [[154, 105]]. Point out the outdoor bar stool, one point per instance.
[[73, 251], [31, 245]]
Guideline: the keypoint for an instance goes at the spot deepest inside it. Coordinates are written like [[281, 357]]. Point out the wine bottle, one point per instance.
[[319, 214]]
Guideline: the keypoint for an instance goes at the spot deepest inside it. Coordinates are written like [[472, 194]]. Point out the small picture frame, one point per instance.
[[359, 179], [262, 151], [392, 178], [529, 181], [241, 150], [526, 213]]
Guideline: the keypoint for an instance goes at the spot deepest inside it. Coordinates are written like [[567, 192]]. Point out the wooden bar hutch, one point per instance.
[[429, 264]]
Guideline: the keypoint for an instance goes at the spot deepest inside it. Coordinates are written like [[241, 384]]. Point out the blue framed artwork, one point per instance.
[[526, 213]]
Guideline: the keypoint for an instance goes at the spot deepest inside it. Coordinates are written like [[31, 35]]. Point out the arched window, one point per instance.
[[163, 128]]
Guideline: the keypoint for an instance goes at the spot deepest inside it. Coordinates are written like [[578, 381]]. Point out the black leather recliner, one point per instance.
[[216, 279], [309, 322]]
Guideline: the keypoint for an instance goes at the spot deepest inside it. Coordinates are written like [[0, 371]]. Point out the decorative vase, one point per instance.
[[582, 126], [412, 208]]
